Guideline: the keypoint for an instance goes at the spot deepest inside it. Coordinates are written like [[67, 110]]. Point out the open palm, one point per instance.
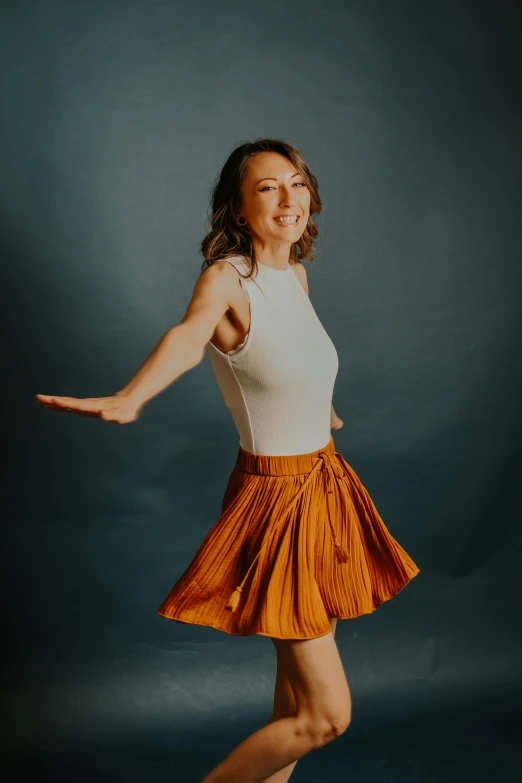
[[117, 408]]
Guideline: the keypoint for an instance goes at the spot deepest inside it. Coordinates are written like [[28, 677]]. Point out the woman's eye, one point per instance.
[[266, 187]]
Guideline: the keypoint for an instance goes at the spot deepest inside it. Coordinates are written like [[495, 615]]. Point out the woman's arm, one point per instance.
[[181, 348]]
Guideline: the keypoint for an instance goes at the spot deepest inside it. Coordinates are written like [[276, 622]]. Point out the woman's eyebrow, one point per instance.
[[297, 174]]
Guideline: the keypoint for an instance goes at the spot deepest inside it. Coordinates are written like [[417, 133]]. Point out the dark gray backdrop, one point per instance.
[[117, 117]]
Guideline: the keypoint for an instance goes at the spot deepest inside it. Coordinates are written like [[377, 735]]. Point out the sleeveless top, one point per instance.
[[278, 384]]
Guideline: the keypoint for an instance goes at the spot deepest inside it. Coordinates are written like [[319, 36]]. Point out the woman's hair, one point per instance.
[[226, 237]]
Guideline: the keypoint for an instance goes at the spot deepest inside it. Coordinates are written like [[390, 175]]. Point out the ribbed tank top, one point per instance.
[[278, 384]]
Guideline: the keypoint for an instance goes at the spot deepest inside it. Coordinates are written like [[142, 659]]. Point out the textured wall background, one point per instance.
[[117, 117]]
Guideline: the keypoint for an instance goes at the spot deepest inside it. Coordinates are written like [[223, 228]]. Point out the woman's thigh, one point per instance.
[[284, 698], [312, 679]]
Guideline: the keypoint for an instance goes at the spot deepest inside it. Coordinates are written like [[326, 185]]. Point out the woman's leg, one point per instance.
[[323, 712], [284, 706]]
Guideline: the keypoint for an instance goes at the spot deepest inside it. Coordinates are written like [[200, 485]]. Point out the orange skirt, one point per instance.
[[298, 540]]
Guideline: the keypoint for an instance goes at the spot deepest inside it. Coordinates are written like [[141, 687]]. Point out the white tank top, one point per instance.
[[278, 384]]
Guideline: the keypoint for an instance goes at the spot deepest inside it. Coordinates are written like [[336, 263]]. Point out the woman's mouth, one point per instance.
[[287, 220]]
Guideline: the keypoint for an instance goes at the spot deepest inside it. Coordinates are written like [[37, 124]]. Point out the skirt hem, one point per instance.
[[294, 638]]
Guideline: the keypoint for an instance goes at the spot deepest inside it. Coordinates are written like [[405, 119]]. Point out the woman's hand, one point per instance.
[[335, 422], [119, 408]]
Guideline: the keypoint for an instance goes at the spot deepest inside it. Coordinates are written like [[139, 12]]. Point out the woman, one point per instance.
[[299, 542]]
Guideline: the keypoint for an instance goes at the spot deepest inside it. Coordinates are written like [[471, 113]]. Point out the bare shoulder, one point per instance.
[[213, 292], [302, 276], [219, 277]]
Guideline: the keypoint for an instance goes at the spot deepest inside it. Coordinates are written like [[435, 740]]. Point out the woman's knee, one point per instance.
[[338, 723], [321, 729], [322, 696]]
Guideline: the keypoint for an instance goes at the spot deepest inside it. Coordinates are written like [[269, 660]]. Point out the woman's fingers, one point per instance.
[[84, 403], [115, 408], [89, 406], [49, 399], [67, 402]]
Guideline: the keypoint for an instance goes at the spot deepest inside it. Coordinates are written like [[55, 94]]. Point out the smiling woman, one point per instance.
[[263, 207], [299, 543]]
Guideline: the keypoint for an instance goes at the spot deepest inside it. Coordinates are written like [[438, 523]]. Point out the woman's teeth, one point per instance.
[[287, 220]]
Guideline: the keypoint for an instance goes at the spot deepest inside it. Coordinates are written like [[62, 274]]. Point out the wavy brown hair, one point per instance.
[[226, 237]]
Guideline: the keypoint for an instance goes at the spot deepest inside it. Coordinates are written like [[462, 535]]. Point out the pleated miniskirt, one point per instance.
[[298, 540]]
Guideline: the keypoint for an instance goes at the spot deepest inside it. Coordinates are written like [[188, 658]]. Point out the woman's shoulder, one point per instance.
[[237, 260], [219, 271]]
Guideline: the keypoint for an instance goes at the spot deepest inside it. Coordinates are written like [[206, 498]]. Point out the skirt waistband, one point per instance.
[[287, 465]]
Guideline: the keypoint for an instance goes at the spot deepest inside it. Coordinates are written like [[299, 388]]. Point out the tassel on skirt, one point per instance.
[[298, 540]]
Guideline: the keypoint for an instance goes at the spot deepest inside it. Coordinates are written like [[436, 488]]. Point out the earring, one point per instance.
[[242, 220]]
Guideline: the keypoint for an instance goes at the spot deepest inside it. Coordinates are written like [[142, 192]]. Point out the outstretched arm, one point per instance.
[[180, 349]]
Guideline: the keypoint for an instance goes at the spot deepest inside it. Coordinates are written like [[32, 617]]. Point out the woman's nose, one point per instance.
[[288, 198]]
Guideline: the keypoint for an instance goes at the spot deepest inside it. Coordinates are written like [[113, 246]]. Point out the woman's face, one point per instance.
[[271, 189]]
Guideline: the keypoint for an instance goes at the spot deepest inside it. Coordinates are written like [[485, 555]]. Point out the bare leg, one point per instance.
[[284, 705], [323, 711]]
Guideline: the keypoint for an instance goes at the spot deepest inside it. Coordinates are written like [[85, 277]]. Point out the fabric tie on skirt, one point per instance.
[[326, 463]]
